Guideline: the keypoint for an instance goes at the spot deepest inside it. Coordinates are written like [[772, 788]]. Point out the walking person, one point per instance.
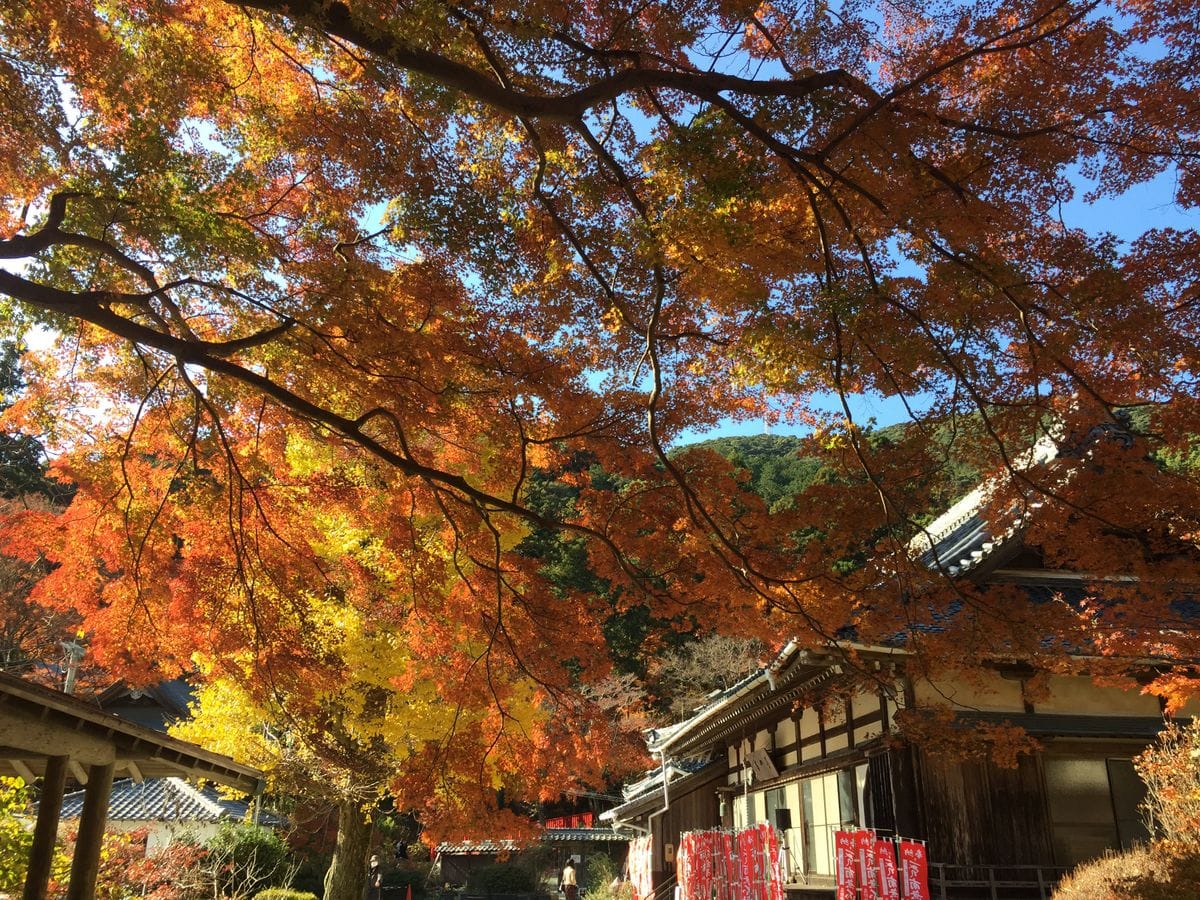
[[374, 879], [567, 883]]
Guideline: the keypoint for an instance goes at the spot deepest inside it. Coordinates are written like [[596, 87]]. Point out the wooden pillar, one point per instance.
[[37, 878], [86, 863]]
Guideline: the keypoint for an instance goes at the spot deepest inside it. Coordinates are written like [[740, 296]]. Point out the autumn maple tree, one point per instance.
[[332, 281]]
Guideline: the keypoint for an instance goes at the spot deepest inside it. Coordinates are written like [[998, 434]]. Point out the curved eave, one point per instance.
[[747, 710], [37, 723]]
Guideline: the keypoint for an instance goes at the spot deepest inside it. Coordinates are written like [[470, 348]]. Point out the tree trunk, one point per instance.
[[347, 875]]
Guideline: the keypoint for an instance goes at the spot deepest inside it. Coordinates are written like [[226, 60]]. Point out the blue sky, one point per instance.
[[1148, 205]]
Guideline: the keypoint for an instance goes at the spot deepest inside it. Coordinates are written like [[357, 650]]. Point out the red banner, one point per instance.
[[722, 865], [641, 867], [864, 853], [844, 864], [582, 820], [775, 861], [729, 850], [889, 878], [746, 841], [914, 870]]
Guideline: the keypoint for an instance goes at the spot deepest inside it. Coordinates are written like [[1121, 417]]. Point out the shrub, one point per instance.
[[310, 872], [1157, 872], [284, 894], [244, 859], [15, 839], [1171, 770], [418, 852], [1106, 878], [169, 874], [405, 875], [501, 878], [600, 873]]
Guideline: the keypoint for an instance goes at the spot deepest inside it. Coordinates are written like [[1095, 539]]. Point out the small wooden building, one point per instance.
[[753, 756], [168, 809], [545, 859], [48, 735]]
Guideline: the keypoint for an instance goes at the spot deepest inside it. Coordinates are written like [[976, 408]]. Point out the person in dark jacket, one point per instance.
[[374, 879]]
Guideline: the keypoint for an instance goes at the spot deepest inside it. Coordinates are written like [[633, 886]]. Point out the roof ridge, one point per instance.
[[198, 796], [1044, 450]]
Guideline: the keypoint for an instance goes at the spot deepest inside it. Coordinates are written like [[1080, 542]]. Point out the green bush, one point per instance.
[[405, 875], [599, 875], [418, 852], [501, 878], [245, 859], [284, 894], [15, 839], [310, 872]]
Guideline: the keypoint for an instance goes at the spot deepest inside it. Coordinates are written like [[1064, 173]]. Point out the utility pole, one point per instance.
[[75, 653]]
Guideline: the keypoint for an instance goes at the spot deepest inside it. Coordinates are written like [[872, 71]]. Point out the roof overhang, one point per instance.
[[652, 799], [793, 675], [37, 723], [549, 836]]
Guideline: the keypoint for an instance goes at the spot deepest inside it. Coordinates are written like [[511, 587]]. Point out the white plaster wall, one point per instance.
[[892, 708], [809, 727], [840, 742], [164, 833], [867, 733], [1190, 709]]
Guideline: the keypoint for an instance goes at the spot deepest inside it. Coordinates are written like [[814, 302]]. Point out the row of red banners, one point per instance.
[[867, 870], [727, 865], [581, 820]]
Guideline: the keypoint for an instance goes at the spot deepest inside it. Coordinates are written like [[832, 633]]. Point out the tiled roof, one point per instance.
[[660, 738], [166, 799], [551, 835], [155, 706], [960, 539]]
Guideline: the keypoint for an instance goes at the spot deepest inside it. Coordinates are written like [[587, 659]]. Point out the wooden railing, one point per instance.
[[666, 889], [954, 882]]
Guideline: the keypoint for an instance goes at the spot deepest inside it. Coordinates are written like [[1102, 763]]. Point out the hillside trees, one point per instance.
[[332, 280], [30, 632]]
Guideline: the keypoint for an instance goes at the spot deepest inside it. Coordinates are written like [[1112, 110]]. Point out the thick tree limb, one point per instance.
[[335, 19]]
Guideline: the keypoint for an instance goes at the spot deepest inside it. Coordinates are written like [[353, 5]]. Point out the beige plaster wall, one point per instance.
[[835, 714], [1078, 696], [989, 693], [864, 704], [785, 733]]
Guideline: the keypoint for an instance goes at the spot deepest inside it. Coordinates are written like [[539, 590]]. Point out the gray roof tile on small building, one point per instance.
[[550, 835], [166, 800]]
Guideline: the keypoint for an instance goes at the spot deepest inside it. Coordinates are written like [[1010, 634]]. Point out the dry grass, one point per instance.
[[1159, 872]]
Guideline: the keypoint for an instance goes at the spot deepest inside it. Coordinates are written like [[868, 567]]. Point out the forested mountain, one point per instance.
[[678, 662], [779, 470]]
